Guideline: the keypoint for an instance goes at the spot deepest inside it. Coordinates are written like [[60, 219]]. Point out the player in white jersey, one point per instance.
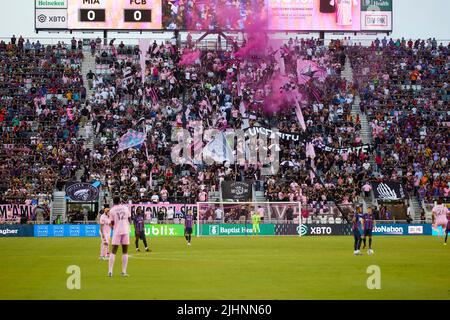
[[344, 10], [120, 216], [440, 216]]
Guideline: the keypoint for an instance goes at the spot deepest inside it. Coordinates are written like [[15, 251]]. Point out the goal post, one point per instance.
[[234, 218]]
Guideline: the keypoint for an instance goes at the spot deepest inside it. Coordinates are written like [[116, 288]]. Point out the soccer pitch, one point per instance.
[[231, 268]]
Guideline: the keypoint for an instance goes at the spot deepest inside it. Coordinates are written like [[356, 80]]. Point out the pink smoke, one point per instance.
[[189, 57]]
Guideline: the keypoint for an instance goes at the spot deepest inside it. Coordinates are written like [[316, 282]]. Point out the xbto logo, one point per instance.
[[42, 18]]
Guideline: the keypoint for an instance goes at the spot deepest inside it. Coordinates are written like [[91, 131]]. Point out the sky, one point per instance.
[[412, 19]]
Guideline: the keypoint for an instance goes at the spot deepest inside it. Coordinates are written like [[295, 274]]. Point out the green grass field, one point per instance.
[[228, 268]]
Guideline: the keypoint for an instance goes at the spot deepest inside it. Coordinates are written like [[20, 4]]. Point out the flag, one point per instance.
[[153, 95], [144, 45], [150, 180], [310, 150], [298, 112], [131, 139], [219, 150]]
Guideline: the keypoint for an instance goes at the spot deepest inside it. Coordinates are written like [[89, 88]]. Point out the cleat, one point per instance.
[[189, 243], [125, 274], [148, 250], [101, 258], [137, 250], [110, 274], [106, 258]]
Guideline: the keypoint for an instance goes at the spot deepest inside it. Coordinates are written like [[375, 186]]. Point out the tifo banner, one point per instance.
[[162, 230], [402, 229], [81, 191], [236, 229], [389, 190], [16, 230], [131, 139], [67, 230], [152, 210], [12, 211], [237, 191]]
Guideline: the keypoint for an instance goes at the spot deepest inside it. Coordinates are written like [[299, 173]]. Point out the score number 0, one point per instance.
[[92, 15]]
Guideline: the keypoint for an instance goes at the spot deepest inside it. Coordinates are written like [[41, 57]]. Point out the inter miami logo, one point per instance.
[[82, 192]]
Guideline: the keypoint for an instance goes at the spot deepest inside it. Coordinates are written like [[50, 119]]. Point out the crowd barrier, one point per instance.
[[218, 229]]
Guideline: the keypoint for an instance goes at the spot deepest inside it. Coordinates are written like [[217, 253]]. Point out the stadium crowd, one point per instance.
[[44, 102], [403, 87]]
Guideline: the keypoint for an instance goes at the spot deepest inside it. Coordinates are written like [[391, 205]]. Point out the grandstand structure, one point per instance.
[[65, 106]]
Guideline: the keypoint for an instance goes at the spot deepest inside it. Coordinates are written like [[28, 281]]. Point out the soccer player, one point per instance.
[[139, 231], [357, 231], [447, 230], [368, 224], [440, 216], [188, 222], [105, 234], [120, 221], [256, 218]]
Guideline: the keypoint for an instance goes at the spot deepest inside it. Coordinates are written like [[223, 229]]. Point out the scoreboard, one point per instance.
[[99, 14], [226, 15]]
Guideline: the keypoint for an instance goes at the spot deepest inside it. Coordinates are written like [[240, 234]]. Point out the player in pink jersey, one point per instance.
[[120, 221], [440, 216], [105, 234]]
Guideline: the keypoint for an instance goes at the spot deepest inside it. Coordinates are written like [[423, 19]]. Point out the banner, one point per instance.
[[66, 230], [12, 211], [235, 229], [16, 230], [151, 210], [389, 190], [162, 230], [376, 15], [402, 229], [346, 229], [305, 138], [131, 139], [438, 232], [241, 191], [81, 191], [365, 148]]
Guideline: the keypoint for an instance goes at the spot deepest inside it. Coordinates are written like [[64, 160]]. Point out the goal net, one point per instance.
[[235, 218]]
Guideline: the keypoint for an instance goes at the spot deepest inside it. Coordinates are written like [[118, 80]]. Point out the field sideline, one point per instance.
[[228, 268]]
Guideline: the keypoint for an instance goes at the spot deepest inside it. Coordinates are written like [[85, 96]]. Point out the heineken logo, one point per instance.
[[51, 4]]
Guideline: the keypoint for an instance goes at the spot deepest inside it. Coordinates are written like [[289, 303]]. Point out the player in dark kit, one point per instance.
[[368, 224], [447, 230], [357, 231], [188, 222], [139, 229]]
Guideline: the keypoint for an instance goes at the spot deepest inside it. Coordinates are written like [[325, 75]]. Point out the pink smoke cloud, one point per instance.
[[189, 57]]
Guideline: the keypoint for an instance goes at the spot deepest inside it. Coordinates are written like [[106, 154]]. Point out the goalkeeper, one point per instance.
[[256, 219]]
